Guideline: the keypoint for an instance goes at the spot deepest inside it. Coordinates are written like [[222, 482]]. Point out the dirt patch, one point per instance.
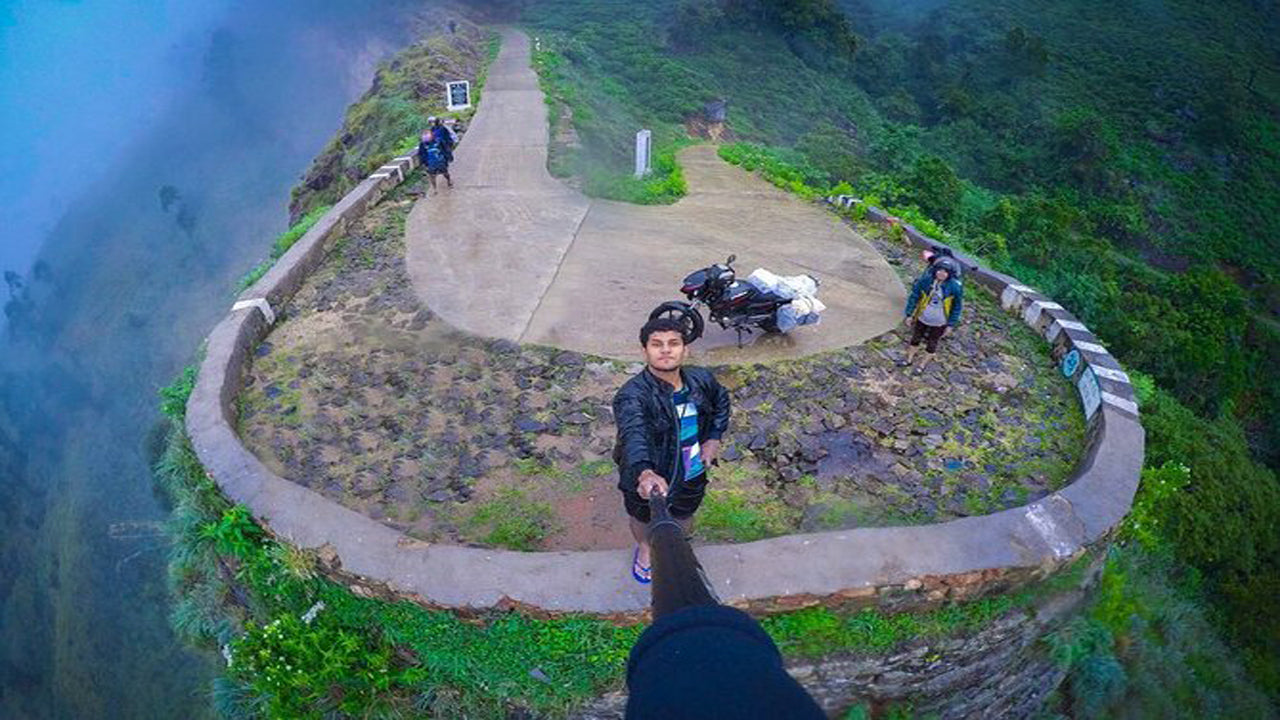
[[698, 126], [362, 394]]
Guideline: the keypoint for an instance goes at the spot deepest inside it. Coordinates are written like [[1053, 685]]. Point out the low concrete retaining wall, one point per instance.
[[894, 567]]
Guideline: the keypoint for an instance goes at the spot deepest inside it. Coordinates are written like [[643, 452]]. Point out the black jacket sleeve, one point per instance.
[[632, 450]]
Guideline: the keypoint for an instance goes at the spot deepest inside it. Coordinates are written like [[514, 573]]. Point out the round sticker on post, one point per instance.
[[1070, 363]]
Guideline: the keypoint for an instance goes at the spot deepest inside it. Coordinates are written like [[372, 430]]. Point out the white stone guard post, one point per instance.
[[644, 147]]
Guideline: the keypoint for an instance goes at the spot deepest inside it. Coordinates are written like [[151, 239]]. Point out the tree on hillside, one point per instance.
[[1028, 52], [693, 19], [935, 187], [817, 30], [1085, 145]]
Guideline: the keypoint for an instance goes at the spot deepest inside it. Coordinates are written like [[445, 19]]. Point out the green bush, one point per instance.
[[663, 186], [1147, 646], [1219, 522], [287, 238], [173, 397], [234, 534], [1097, 679], [1147, 522], [308, 669], [935, 187]]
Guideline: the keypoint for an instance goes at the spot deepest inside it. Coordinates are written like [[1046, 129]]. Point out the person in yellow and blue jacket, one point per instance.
[[933, 310]]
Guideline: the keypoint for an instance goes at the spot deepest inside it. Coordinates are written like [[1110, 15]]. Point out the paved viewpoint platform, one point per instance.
[[511, 252]]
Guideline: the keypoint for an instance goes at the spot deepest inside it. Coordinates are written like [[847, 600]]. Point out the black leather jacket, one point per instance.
[[648, 430]]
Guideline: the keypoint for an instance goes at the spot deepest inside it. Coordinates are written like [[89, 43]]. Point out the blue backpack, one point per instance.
[[435, 158]]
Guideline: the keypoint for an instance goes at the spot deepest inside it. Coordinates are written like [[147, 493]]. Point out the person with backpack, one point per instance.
[[935, 253], [933, 309], [444, 135], [433, 158]]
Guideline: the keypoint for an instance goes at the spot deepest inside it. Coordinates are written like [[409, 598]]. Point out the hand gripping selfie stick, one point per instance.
[[701, 660]]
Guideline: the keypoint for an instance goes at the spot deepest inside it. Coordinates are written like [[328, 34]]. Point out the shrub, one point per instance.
[[173, 397], [307, 669], [287, 238], [1147, 647], [1147, 522], [935, 187]]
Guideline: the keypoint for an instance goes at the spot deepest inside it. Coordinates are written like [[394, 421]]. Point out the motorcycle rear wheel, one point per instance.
[[683, 313]]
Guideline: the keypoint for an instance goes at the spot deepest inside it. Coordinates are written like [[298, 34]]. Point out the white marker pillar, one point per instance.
[[644, 144]]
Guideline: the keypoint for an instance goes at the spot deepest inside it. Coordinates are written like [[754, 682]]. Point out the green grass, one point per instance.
[[287, 238], [729, 516], [815, 632], [738, 509], [596, 468], [533, 467], [510, 519], [173, 397]]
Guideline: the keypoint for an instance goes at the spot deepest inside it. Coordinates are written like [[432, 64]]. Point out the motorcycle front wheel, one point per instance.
[[685, 314]]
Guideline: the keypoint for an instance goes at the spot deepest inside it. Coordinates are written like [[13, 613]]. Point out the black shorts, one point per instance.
[[683, 501], [930, 334]]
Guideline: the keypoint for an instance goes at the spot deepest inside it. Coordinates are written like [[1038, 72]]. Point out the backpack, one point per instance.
[[943, 257], [435, 158]]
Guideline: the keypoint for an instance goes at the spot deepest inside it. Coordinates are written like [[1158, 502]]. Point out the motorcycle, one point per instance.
[[733, 304]]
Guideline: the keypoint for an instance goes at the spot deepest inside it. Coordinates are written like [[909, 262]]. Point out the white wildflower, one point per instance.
[[311, 614]]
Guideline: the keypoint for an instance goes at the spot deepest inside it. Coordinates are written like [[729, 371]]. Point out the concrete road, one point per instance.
[[511, 252]]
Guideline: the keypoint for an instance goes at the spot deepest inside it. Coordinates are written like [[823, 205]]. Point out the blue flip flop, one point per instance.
[[637, 568]]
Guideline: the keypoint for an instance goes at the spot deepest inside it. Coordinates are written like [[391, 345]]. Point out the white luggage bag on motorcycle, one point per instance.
[[802, 290]]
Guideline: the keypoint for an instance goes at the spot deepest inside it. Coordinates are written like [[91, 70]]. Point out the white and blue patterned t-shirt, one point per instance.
[[690, 449]]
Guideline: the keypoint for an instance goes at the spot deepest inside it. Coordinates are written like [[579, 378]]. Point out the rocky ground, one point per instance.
[[363, 395]]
